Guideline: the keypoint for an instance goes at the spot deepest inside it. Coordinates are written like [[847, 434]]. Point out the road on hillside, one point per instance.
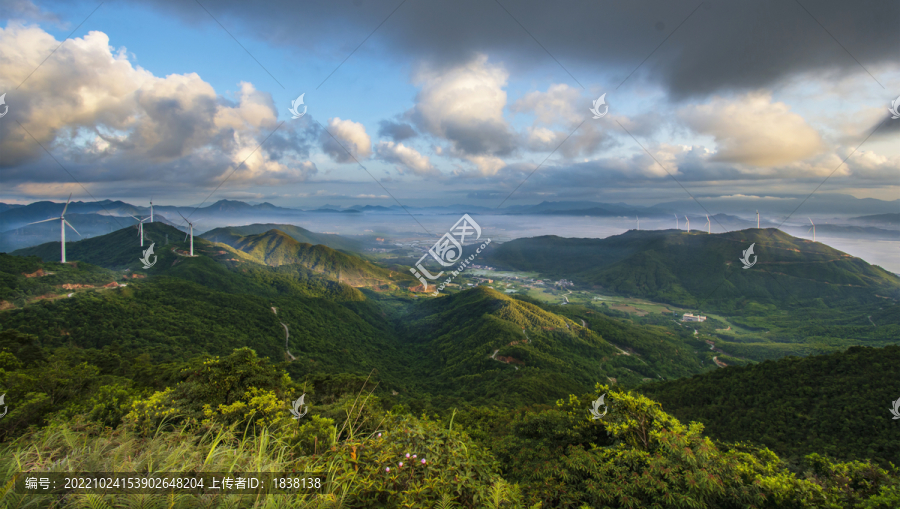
[[286, 336]]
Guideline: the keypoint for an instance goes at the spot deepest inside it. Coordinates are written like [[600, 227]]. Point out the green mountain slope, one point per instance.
[[834, 404], [276, 248], [483, 346], [199, 306], [696, 269], [231, 234]]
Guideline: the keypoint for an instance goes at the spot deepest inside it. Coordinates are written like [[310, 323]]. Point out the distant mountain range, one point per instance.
[[892, 219], [87, 225], [11, 215], [882, 222]]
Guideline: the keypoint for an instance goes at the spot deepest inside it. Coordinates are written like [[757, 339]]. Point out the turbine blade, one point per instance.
[[45, 220], [67, 206], [72, 227], [185, 236]]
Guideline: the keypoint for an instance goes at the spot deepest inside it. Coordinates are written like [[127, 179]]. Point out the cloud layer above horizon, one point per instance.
[[752, 99]]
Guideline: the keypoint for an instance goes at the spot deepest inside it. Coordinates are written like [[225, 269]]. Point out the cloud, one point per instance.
[[464, 105], [555, 106], [111, 121], [25, 9], [561, 105], [397, 131], [345, 136], [405, 158], [753, 130], [722, 45]]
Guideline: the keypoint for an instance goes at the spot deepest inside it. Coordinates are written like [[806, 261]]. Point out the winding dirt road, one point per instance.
[[287, 334]]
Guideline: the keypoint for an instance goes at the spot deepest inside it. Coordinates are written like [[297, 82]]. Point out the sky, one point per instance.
[[435, 103]]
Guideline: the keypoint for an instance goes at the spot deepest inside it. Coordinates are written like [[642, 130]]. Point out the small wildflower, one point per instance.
[[401, 463], [407, 455], [423, 461], [414, 456], [387, 469], [379, 435]]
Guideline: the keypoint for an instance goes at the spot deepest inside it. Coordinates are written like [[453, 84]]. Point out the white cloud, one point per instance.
[[753, 130], [464, 105], [555, 106], [561, 105], [405, 157], [351, 136], [119, 121]]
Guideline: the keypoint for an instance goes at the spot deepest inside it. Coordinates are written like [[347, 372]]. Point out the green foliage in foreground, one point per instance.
[[835, 404], [637, 456]]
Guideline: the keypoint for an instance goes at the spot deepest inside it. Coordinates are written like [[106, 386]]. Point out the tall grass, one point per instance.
[[63, 448]]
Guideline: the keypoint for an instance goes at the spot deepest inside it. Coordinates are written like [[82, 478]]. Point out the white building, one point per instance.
[[688, 317]]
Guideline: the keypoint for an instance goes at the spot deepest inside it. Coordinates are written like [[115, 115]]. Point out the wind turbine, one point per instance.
[[62, 228], [141, 228], [639, 222], [707, 224], [813, 228], [676, 222], [191, 232], [151, 210], [688, 223], [757, 220]]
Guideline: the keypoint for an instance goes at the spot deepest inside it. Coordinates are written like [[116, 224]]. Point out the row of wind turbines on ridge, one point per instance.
[[812, 228], [708, 227], [64, 223]]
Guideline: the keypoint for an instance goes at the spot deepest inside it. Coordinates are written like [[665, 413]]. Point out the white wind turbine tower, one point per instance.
[[62, 228], [141, 228], [707, 224], [191, 232], [757, 220], [813, 228], [639, 222], [676, 222], [688, 223], [151, 210]]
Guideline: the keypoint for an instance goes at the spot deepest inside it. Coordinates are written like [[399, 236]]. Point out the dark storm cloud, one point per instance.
[[397, 131], [724, 45]]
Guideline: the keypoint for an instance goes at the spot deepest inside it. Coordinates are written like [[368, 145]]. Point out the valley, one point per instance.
[[499, 340]]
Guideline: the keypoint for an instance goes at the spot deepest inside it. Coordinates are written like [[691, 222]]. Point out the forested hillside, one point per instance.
[[275, 247], [837, 405], [696, 269], [230, 234], [483, 386], [484, 346]]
